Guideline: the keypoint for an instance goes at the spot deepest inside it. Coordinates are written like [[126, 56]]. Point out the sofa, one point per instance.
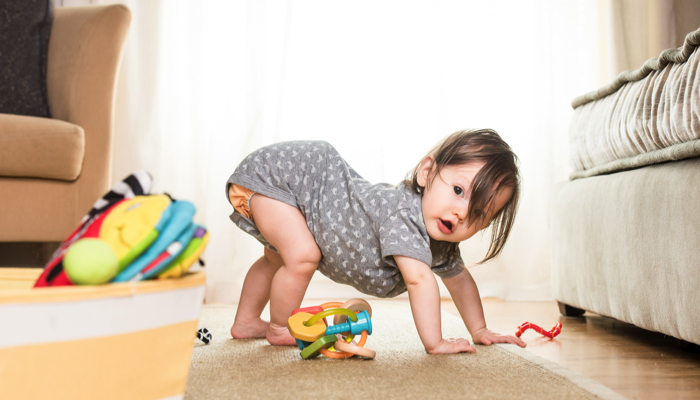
[[626, 226], [53, 169]]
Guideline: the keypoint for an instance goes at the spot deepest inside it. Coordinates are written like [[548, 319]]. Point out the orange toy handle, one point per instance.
[[331, 304], [528, 325]]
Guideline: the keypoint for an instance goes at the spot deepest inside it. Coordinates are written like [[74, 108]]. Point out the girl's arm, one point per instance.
[[424, 296], [466, 297]]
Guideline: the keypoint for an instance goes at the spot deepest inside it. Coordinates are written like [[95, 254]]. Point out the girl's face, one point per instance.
[[446, 202]]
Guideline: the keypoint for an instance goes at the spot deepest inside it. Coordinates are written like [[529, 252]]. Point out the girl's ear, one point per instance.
[[424, 171]]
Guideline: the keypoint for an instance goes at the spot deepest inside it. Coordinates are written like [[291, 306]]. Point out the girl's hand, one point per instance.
[[452, 346], [487, 337]]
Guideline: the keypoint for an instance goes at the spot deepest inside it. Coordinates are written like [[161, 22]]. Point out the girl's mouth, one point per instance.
[[445, 226]]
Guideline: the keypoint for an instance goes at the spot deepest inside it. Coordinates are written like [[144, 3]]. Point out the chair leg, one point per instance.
[[569, 311]]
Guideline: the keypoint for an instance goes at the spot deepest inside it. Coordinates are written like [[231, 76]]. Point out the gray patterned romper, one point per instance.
[[358, 226]]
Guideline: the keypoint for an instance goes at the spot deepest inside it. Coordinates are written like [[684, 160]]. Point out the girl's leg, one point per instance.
[[285, 228], [254, 297]]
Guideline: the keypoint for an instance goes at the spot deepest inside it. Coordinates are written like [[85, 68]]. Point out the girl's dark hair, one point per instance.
[[500, 170]]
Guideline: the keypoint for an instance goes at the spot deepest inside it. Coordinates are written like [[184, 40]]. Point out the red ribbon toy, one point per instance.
[[528, 325]]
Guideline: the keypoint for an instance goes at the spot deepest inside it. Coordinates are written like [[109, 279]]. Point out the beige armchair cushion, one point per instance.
[[40, 148]]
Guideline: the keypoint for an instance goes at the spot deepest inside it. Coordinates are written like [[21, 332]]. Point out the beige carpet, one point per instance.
[[252, 369]]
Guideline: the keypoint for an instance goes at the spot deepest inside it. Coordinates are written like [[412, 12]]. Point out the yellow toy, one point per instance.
[[128, 228], [308, 333]]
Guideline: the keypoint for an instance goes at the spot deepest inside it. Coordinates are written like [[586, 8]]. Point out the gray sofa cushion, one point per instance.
[[25, 27]]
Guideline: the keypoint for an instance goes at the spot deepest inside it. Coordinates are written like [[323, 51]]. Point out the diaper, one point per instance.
[[240, 199]]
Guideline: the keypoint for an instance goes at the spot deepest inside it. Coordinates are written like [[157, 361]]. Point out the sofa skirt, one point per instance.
[[627, 246], [116, 341]]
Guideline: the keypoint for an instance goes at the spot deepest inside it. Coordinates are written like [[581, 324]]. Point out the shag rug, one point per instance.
[[253, 369]]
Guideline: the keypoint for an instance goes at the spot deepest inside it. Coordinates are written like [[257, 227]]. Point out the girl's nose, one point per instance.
[[461, 214]]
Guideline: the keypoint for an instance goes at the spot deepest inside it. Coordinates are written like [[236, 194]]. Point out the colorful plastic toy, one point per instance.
[[330, 352], [528, 325], [313, 335]]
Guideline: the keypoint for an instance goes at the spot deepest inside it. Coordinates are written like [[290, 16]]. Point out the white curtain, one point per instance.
[[204, 83], [633, 31]]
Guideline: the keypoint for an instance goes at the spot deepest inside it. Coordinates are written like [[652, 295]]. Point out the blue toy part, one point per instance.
[[301, 344], [170, 253], [364, 323], [175, 219]]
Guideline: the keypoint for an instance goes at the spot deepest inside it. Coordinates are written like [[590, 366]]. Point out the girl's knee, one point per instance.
[[311, 253], [303, 258]]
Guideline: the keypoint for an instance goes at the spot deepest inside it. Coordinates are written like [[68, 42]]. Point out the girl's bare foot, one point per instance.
[[279, 336], [253, 329]]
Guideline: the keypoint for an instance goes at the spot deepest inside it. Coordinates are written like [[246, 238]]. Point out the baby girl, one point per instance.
[[312, 211]]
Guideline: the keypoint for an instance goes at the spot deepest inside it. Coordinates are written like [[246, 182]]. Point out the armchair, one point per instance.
[[53, 169]]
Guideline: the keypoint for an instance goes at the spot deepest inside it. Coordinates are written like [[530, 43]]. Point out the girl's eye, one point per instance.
[[458, 191]]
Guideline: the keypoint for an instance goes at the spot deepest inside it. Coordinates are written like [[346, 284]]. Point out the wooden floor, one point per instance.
[[635, 363]]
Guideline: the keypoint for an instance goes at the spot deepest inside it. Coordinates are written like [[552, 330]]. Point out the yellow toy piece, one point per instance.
[[129, 228], [298, 330]]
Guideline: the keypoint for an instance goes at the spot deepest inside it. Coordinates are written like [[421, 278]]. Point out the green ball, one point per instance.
[[90, 262]]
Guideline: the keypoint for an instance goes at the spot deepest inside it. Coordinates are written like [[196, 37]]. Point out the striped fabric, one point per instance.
[[137, 184]]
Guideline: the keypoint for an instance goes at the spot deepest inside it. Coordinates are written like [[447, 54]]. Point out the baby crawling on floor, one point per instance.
[[312, 211]]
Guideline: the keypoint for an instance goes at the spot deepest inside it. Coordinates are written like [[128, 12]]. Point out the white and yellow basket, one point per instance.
[[116, 341]]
